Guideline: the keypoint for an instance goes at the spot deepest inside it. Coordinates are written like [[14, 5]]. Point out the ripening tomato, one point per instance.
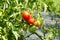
[[37, 23], [26, 15], [31, 21]]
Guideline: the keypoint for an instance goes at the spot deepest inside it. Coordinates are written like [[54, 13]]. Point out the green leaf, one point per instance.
[[15, 34]]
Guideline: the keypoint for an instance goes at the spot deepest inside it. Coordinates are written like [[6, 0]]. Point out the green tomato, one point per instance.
[[32, 29]]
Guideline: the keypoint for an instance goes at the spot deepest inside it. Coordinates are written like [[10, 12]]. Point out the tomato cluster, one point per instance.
[[27, 16]]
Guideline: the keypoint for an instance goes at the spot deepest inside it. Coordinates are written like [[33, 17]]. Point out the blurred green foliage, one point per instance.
[[11, 22]]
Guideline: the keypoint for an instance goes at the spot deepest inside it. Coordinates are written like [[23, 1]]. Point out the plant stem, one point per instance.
[[39, 36]]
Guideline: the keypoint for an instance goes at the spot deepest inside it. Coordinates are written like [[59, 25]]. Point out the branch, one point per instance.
[[39, 35]]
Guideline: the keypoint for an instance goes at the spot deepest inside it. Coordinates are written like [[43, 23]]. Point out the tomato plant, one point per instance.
[[18, 18]]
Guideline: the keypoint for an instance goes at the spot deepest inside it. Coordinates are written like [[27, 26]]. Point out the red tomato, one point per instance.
[[31, 21], [26, 15], [37, 23]]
